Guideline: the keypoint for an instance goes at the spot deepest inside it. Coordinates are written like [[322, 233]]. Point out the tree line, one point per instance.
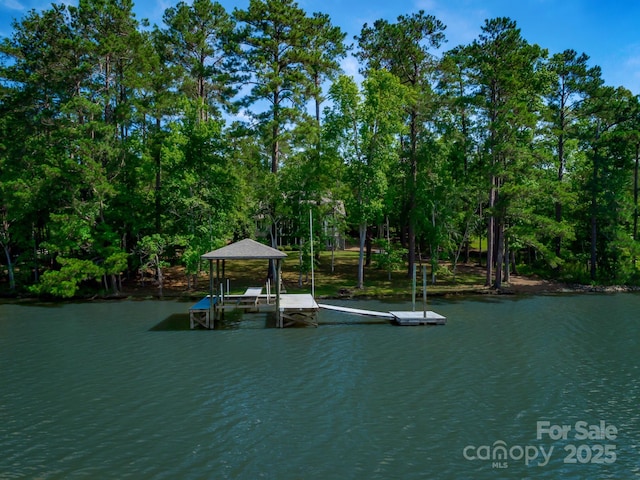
[[126, 146]]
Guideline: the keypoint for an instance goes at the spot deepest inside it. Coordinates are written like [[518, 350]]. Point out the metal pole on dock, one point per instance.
[[224, 275], [279, 320], [217, 282], [268, 291], [313, 288]]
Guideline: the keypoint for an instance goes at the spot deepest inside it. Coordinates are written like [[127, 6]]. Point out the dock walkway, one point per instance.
[[399, 317], [356, 311]]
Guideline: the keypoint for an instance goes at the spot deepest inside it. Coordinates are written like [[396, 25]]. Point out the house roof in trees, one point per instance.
[[244, 250]]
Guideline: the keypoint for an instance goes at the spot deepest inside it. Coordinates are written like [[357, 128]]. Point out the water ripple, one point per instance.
[[88, 390]]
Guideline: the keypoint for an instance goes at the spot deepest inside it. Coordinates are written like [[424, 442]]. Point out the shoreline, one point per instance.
[[467, 283], [527, 288]]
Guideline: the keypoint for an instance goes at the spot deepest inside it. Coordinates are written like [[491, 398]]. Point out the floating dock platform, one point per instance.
[[356, 311], [418, 318], [298, 308]]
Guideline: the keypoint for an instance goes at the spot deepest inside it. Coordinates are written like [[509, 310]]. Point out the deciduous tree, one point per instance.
[[367, 126]]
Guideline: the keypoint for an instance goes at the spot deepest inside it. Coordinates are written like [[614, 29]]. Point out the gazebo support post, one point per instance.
[[211, 308], [218, 279], [224, 279]]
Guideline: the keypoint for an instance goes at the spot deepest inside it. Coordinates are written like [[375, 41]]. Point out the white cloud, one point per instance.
[[13, 5], [633, 60], [630, 71], [463, 24], [350, 66], [155, 14], [244, 116]]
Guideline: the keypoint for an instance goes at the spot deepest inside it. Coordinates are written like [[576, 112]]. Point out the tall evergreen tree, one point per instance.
[[608, 181], [573, 81], [463, 137], [200, 39], [274, 36], [506, 71], [405, 49], [42, 73], [158, 105]]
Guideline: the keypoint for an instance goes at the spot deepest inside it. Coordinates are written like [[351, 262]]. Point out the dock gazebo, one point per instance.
[[246, 249]]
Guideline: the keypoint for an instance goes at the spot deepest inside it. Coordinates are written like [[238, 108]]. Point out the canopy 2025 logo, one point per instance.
[[589, 445]]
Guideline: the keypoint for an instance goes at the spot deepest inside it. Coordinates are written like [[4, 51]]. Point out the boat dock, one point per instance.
[[293, 309], [298, 309], [200, 313]]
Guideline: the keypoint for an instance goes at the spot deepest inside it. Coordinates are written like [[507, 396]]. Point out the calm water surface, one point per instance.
[[123, 390]]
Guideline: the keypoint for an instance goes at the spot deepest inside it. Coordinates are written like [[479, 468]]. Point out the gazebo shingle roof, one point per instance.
[[244, 250]]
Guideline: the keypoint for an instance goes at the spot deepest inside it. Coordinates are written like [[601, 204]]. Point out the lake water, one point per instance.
[[124, 390]]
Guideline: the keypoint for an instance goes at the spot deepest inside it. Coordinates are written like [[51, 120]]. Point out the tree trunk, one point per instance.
[[368, 248], [434, 249], [635, 195], [363, 234], [594, 212], [558, 206], [490, 233], [300, 263], [467, 251], [500, 255], [275, 132], [480, 215], [160, 276], [411, 248], [158, 197], [36, 266], [316, 97], [507, 261], [12, 279], [388, 238], [271, 274]]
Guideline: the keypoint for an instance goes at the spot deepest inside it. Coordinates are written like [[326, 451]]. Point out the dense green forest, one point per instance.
[[126, 147]]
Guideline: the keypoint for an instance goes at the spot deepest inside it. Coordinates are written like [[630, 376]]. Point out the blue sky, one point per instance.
[[606, 31]]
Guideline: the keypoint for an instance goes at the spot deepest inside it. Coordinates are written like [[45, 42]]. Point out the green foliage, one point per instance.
[[366, 126], [114, 147], [116, 263], [64, 283], [150, 249], [391, 257]]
